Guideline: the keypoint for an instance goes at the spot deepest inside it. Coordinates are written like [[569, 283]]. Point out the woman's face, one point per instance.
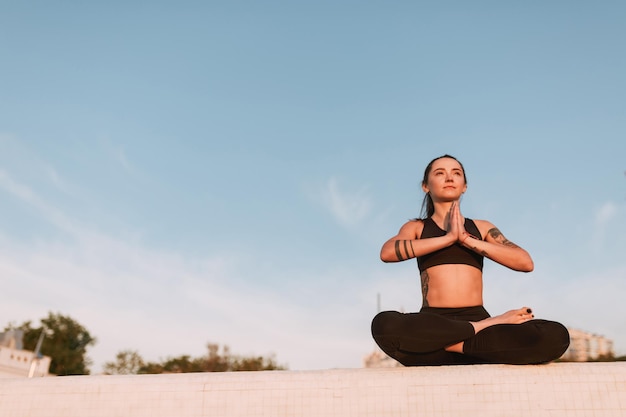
[[446, 180]]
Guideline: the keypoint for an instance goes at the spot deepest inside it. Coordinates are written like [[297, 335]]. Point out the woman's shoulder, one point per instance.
[[413, 227], [484, 226], [481, 222]]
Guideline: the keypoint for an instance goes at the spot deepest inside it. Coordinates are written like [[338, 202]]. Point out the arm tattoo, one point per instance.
[[482, 252], [425, 279], [402, 252], [398, 254], [499, 237]]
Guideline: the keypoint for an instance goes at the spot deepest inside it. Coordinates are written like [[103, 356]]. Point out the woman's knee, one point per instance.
[[552, 330], [555, 339], [384, 322], [558, 335]]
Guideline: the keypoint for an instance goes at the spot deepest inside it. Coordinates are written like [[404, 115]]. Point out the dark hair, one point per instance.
[[428, 208]]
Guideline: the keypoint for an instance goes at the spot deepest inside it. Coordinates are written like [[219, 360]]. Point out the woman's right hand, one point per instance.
[[456, 224]]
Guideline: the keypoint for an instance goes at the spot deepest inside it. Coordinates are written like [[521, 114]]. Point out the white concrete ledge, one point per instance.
[[558, 389]]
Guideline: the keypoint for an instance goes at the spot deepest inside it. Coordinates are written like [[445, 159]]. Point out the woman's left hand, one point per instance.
[[459, 220], [456, 223]]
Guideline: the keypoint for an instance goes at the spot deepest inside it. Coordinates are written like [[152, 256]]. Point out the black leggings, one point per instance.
[[420, 338]]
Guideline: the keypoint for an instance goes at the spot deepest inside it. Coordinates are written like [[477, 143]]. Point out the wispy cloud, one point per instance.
[[605, 214], [603, 218], [26, 195], [22, 162], [164, 303], [18, 190], [119, 154], [56, 179], [348, 207]]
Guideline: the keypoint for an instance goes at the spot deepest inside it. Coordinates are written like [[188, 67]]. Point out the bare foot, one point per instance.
[[518, 316]]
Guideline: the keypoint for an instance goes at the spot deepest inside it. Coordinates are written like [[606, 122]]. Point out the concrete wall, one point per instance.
[[559, 389]]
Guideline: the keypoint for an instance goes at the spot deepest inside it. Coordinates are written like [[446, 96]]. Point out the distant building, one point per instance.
[[19, 363], [584, 347], [378, 359]]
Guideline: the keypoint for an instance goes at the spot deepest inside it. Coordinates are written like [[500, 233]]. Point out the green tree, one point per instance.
[[178, 365], [126, 362], [65, 342], [214, 361]]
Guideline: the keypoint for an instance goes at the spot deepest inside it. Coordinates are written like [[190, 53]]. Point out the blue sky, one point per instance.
[[179, 173]]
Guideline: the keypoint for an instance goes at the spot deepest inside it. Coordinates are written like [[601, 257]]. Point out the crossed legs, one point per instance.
[[439, 336]]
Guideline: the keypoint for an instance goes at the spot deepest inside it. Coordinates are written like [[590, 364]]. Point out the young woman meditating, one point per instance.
[[452, 326]]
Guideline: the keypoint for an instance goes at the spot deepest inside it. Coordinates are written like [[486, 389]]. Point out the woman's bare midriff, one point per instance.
[[453, 285]]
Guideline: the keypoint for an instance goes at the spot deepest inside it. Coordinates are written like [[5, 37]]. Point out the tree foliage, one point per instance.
[[65, 342], [130, 362], [126, 362]]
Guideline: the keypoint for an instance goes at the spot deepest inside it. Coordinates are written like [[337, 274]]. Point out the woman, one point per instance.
[[453, 327]]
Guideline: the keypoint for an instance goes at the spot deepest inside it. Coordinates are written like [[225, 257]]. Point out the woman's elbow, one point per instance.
[[386, 257], [527, 266]]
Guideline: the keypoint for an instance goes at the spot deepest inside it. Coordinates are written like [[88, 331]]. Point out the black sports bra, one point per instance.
[[454, 254]]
